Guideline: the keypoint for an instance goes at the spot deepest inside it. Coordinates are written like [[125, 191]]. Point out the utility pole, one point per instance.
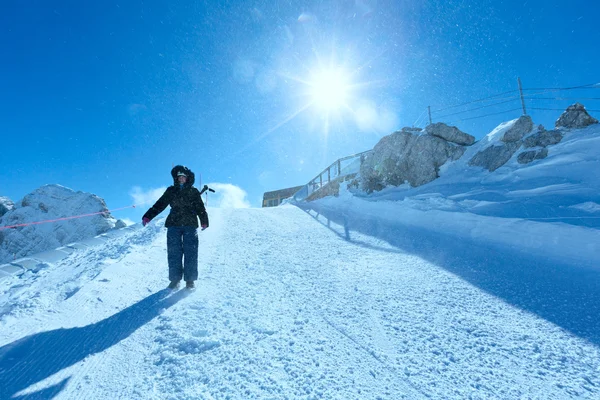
[[429, 109], [522, 99]]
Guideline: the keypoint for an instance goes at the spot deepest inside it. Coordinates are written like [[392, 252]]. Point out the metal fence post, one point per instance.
[[522, 99]]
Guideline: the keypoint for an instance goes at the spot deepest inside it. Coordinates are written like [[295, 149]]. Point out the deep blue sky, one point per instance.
[[104, 96]]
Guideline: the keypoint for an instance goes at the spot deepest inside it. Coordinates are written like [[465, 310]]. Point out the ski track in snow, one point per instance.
[[285, 308]]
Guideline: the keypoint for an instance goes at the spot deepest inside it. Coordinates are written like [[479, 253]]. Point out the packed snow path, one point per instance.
[[291, 305]]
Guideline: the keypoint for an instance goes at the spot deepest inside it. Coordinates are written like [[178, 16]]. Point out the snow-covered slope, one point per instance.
[[296, 304], [47, 203]]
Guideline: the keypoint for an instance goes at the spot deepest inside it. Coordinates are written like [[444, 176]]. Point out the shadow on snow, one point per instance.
[[36, 357], [564, 294]]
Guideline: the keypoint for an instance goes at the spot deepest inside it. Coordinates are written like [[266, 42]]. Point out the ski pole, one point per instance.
[[204, 189]]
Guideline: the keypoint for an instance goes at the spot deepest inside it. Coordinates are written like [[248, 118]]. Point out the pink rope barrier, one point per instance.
[[64, 218]]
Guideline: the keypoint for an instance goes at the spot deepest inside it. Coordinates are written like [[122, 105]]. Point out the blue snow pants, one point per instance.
[[182, 253]]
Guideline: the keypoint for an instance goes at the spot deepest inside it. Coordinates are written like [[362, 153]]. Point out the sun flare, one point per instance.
[[327, 94], [329, 89]]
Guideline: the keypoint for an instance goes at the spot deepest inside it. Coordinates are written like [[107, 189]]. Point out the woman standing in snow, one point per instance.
[[182, 225]]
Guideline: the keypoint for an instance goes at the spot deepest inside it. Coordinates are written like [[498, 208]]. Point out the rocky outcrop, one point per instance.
[[495, 156], [528, 156], [543, 138], [406, 157], [520, 128], [413, 156], [450, 133], [506, 139], [575, 117], [51, 202]]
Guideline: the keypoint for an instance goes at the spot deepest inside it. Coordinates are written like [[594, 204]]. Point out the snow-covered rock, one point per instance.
[[501, 144], [518, 130], [450, 133], [575, 117], [6, 205], [405, 157], [51, 202]]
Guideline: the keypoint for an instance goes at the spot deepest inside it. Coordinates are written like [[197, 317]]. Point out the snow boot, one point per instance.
[[189, 285], [173, 285]]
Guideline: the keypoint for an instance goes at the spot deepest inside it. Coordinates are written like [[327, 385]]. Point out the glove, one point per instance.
[[204, 227], [145, 221]]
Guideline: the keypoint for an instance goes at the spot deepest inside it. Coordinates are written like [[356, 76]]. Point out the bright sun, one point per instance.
[[329, 89], [329, 92]]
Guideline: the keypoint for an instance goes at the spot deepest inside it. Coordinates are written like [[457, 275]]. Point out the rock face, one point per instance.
[[543, 139], [450, 133], [528, 156], [495, 156], [406, 157], [521, 127], [47, 203], [575, 117]]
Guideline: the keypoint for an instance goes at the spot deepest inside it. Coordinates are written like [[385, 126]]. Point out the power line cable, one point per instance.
[[557, 109], [419, 119], [588, 86], [478, 108], [550, 90], [561, 98], [544, 90], [528, 96], [474, 101], [486, 115]]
